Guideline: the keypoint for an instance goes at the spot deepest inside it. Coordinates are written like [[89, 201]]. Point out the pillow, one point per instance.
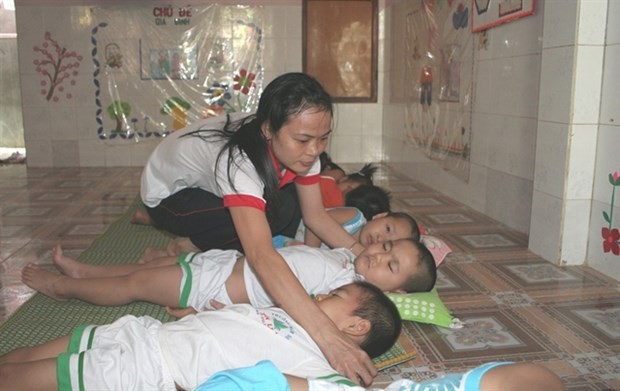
[[437, 247], [424, 307]]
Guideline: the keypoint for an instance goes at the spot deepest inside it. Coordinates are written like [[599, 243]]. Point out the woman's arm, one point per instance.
[[341, 215], [319, 221], [282, 285]]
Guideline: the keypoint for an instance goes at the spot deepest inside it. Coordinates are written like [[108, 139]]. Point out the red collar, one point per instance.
[[285, 178]]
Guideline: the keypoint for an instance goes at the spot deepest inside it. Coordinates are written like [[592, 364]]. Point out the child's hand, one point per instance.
[[180, 312], [216, 304]]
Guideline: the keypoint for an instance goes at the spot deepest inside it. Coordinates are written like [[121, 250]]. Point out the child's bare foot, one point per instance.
[[141, 217], [41, 280], [67, 265], [151, 253]]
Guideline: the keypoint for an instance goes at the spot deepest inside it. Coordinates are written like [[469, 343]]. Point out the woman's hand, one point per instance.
[[348, 359]]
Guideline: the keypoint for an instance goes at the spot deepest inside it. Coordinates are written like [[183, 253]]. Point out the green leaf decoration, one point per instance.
[[606, 217]]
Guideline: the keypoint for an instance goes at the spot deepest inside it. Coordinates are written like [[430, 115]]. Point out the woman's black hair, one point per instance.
[[285, 97]]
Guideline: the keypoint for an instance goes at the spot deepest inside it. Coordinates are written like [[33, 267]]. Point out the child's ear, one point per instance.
[[357, 327], [379, 215]]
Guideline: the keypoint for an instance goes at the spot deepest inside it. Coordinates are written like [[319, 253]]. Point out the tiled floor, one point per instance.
[[515, 305]]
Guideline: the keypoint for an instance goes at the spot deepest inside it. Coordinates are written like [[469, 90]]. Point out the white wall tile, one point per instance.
[[346, 149], [512, 142], [372, 120], [607, 162], [39, 152], [551, 158], [91, 152], [588, 74], [560, 21], [118, 153], [556, 84], [575, 232], [63, 124], [348, 120], [582, 156], [546, 222], [610, 107], [508, 199], [613, 22], [65, 153], [593, 14]]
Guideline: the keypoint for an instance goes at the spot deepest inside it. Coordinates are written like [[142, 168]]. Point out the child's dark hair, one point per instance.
[[285, 97], [370, 199], [424, 279], [415, 229], [327, 163], [364, 175], [385, 322]]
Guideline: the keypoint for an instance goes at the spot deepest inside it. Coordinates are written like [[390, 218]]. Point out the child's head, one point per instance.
[[329, 168], [370, 199], [403, 266], [389, 226], [365, 314], [354, 180]]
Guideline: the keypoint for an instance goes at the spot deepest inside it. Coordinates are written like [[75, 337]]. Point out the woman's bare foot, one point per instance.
[[67, 265], [42, 280], [141, 217], [151, 253]]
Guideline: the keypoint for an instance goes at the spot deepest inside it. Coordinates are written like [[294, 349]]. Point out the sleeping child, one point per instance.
[[144, 354], [194, 279]]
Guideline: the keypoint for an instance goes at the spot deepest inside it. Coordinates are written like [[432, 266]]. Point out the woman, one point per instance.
[[228, 183]]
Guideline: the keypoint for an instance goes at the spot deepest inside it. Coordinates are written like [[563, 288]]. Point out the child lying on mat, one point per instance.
[[493, 376], [194, 279], [144, 354], [380, 228]]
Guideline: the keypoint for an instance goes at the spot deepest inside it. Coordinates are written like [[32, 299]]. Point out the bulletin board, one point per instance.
[[172, 66], [340, 47], [490, 13]]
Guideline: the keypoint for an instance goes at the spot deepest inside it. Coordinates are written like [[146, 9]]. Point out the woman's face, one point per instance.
[[301, 140]]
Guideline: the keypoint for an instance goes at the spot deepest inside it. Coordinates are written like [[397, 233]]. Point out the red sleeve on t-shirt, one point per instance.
[[308, 180]]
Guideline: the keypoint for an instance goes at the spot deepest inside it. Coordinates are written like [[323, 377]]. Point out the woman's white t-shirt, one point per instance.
[[190, 162]]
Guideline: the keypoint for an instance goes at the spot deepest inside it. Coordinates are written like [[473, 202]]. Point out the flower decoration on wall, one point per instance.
[[244, 81], [221, 99], [611, 236], [58, 65]]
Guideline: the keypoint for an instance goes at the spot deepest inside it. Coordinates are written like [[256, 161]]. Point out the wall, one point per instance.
[[11, 131], [503, 120], [607, 152], [64, 134]]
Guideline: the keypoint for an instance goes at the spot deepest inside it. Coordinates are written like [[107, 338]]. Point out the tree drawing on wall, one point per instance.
[[118, 111], [58, 65], [176, 108]]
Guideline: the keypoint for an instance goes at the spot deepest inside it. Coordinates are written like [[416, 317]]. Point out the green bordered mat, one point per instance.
[[41, 318]]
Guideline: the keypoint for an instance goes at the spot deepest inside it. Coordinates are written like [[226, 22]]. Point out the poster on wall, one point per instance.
[[170, 66], [490, 13], [435, 82]]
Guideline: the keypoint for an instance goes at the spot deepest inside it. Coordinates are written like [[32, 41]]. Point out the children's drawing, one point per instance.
[[59, 67], [611, 236]]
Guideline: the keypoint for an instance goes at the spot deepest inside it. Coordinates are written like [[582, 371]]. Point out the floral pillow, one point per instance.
[[437, 247]]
